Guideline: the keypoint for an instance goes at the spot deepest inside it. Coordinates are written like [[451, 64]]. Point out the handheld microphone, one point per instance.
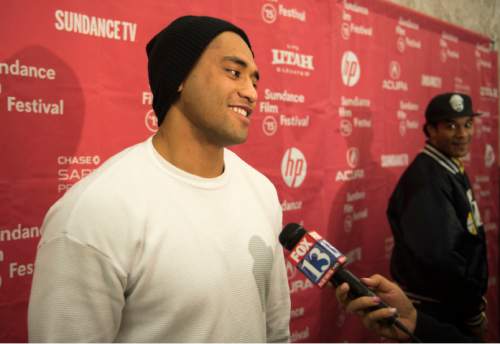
[[321, 263]]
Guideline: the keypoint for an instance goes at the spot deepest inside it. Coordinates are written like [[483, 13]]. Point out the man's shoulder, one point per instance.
[[423, 172], [114, 171], [103, 190], [425, 167], [242, 168]]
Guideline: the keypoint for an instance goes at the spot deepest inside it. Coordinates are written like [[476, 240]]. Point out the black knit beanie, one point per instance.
[[173, 52]]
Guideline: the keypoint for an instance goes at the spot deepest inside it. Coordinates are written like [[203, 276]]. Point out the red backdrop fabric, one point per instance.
[[344, 85]]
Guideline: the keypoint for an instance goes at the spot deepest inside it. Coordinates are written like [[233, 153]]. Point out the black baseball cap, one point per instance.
[[448, 106]]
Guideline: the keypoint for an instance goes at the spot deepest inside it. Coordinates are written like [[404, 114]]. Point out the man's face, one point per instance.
[[452, 137], [220, 92]]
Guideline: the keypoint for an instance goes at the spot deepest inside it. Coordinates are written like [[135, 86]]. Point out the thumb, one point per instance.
[[378, 282]]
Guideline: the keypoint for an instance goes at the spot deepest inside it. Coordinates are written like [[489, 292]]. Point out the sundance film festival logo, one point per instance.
[[348, 223], [346, 29], [446, 52], [402, 128], [403, 40], [269, 13], [269, 125], [406, 123], [349, 219], [480, 62], [345, 127], [350, 69], [293, 167], [151, 121], [401, 44]]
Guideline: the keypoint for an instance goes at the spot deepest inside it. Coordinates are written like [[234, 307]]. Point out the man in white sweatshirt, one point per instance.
[[173, 239]]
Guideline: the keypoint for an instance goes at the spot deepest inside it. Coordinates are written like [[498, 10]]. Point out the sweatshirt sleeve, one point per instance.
[[429, 330], [278, 301], [278, 304], [77, 294]]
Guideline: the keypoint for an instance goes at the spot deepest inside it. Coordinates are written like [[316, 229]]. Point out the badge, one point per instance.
[[471, 226], [457, 103]]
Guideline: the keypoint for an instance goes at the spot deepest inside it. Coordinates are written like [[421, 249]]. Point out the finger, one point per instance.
[[380, 314], [373, 324], [341, 292], [362, 303], [379, 283]]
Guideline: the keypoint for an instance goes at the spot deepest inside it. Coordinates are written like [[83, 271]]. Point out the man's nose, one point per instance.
[[248, 91], [461, 131]]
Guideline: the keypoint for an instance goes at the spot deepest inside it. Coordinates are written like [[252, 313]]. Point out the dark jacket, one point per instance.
[[439, 250], [429, 330]]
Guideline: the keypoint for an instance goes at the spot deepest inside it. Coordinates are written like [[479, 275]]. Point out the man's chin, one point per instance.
[[235, 141], [460, 153]]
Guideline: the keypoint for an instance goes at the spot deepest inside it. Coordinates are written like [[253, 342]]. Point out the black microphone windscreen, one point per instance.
[[291, 235]]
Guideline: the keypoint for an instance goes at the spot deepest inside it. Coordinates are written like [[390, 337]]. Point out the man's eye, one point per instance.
[[468, 125], [234, 73], [451, 126]]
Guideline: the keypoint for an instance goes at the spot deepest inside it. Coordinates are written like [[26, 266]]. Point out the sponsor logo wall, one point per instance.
[[340, 115]]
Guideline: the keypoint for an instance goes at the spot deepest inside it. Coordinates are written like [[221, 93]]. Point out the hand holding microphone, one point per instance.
[[321, 263], [389, 292]]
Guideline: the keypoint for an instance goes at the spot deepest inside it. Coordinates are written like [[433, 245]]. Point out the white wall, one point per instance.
[[481, 16]]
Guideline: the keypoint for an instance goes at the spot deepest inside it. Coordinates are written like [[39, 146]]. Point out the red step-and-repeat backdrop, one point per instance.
[[343, 91]]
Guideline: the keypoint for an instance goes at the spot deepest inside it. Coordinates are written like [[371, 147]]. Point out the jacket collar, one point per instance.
[[446, 162]]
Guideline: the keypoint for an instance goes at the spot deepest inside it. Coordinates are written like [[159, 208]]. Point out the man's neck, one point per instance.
[[456, 161], [176, 143]]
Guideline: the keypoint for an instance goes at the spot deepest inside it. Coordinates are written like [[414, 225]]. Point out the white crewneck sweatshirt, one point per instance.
[[141, 251]]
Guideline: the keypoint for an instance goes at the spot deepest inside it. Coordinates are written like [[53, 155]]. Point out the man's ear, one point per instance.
[[431, 129], [180, 88]]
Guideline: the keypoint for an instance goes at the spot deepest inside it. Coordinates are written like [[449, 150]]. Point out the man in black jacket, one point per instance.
[[439, 255]]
